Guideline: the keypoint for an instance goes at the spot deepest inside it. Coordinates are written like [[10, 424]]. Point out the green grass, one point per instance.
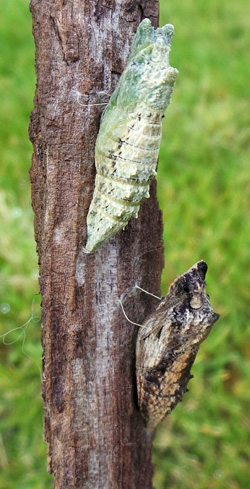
[[204, 192], [22, 449]]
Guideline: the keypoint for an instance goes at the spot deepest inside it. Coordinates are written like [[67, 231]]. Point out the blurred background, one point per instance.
[[204, 192]]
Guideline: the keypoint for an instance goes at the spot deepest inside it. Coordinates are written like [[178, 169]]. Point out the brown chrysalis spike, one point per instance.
[[168, 343]]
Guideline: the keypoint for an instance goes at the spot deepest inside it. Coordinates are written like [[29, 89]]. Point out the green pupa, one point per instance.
[[127, 146]]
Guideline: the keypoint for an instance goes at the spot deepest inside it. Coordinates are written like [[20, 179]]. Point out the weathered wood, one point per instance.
[[95, 433]]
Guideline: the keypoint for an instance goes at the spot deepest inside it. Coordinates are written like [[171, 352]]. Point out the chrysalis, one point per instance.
[[128, 142], [168, 342]]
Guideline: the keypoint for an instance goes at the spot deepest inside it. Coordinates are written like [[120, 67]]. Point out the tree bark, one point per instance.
[[96, 436]]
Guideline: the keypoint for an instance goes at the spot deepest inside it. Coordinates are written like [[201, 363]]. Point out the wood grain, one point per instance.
[[96, 436]]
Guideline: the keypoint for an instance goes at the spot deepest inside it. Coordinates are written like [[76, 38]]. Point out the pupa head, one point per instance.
[[148, 77]]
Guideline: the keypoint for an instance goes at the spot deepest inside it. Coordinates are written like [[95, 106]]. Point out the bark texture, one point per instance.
[[95, 434]]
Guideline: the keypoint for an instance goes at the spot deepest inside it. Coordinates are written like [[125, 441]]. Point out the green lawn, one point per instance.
[[22, 450], [204, 192]]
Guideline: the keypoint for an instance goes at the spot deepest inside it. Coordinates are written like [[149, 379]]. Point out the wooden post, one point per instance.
[[96, 436]]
